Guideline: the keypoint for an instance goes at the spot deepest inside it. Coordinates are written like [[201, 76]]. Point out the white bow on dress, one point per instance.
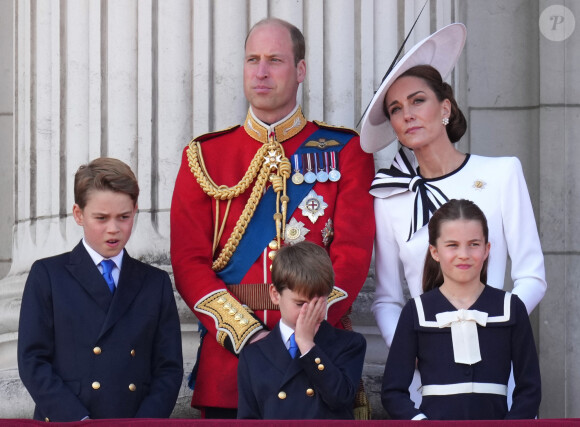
[[463, 325]]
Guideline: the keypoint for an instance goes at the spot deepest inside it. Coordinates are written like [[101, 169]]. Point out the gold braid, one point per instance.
[[223, 192], [258, 167]]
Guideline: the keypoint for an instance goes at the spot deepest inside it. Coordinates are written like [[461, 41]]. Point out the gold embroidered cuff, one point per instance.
[[336, 295], [233, 320]]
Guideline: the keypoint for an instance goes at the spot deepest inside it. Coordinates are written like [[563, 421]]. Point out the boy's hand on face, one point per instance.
[[311, 315]]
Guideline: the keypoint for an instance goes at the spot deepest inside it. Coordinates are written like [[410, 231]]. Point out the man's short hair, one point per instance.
[[298, 42], [104, 173], [304, 268]]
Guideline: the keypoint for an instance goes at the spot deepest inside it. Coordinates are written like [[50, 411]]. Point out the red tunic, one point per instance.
[[227, 156]]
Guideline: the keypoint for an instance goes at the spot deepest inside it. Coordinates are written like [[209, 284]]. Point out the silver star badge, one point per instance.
[[313, 206], [272, 159], [295, 232]]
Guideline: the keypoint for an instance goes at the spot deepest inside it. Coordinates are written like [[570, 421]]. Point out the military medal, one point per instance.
[[297, 178], [295, 232], [313, 206], [322, 175], [327, 232], [273, 159], [334, 174], [309, 176]]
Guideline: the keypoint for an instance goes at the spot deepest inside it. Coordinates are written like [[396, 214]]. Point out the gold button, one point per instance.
[[227, 305], [273, 245], [309, 392], [272, 254], [132, 387], [133, 352], [282, 395], [47, 419], [232, 311], [221, 300], [244, 322], [238, 316], [97, 350], [270, 267], [317, 360], [96, 385], [321, 367]]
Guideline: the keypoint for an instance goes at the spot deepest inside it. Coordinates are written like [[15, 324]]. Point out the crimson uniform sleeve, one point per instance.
[[202, 290]]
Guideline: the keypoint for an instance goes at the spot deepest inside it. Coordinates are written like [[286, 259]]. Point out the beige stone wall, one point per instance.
[[138, 79]]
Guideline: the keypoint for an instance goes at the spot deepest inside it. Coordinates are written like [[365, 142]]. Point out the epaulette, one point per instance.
[[211, 135], [332, 127]]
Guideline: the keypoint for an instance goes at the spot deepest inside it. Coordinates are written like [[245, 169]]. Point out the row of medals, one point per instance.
[[311, 162]]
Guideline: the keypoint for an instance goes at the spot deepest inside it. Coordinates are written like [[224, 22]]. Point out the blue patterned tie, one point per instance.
[[108, 266], [293, 349]]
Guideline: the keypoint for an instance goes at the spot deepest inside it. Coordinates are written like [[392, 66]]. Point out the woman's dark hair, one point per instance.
[[451, 211], [457, 123]]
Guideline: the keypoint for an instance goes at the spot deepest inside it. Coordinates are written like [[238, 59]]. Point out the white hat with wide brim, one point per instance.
[[441, 50]]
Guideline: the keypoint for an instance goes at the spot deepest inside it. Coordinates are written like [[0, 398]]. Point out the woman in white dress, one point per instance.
[[415, 106]]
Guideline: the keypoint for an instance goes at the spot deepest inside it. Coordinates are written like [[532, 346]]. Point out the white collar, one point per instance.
[[285, 332], [97, 258]]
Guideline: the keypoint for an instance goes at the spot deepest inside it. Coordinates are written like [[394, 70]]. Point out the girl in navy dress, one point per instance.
[[462, 334]]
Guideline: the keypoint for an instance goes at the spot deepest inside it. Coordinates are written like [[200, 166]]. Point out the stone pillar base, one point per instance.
[[15, 402], [11, 288]]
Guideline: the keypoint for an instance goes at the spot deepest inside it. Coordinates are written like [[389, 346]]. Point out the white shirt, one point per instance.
[[97, 258], [285, 331]]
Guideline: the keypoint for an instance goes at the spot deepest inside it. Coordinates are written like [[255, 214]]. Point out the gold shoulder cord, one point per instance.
[[269, 163]]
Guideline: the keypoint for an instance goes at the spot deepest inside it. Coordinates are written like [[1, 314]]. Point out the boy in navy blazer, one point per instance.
[[99, 333], [304, 368]]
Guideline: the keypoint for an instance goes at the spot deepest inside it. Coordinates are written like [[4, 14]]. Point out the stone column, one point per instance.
[[93, 78], [137, 80], [559, 152]]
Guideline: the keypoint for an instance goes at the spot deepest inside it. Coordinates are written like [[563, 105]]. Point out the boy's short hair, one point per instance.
[[105, 173], [304, 268]]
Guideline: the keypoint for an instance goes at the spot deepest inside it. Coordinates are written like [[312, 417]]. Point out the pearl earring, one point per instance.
[[445, 121]]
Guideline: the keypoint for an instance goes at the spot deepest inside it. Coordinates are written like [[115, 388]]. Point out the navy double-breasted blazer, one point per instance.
[[321, 384], [85, 352]]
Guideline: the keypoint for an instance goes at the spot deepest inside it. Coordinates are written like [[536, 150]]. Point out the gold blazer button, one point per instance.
[[282, 395], [97, 350], [96, 385], [309, 392]]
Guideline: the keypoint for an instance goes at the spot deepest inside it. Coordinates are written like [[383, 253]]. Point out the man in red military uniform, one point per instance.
[[243, 192]]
